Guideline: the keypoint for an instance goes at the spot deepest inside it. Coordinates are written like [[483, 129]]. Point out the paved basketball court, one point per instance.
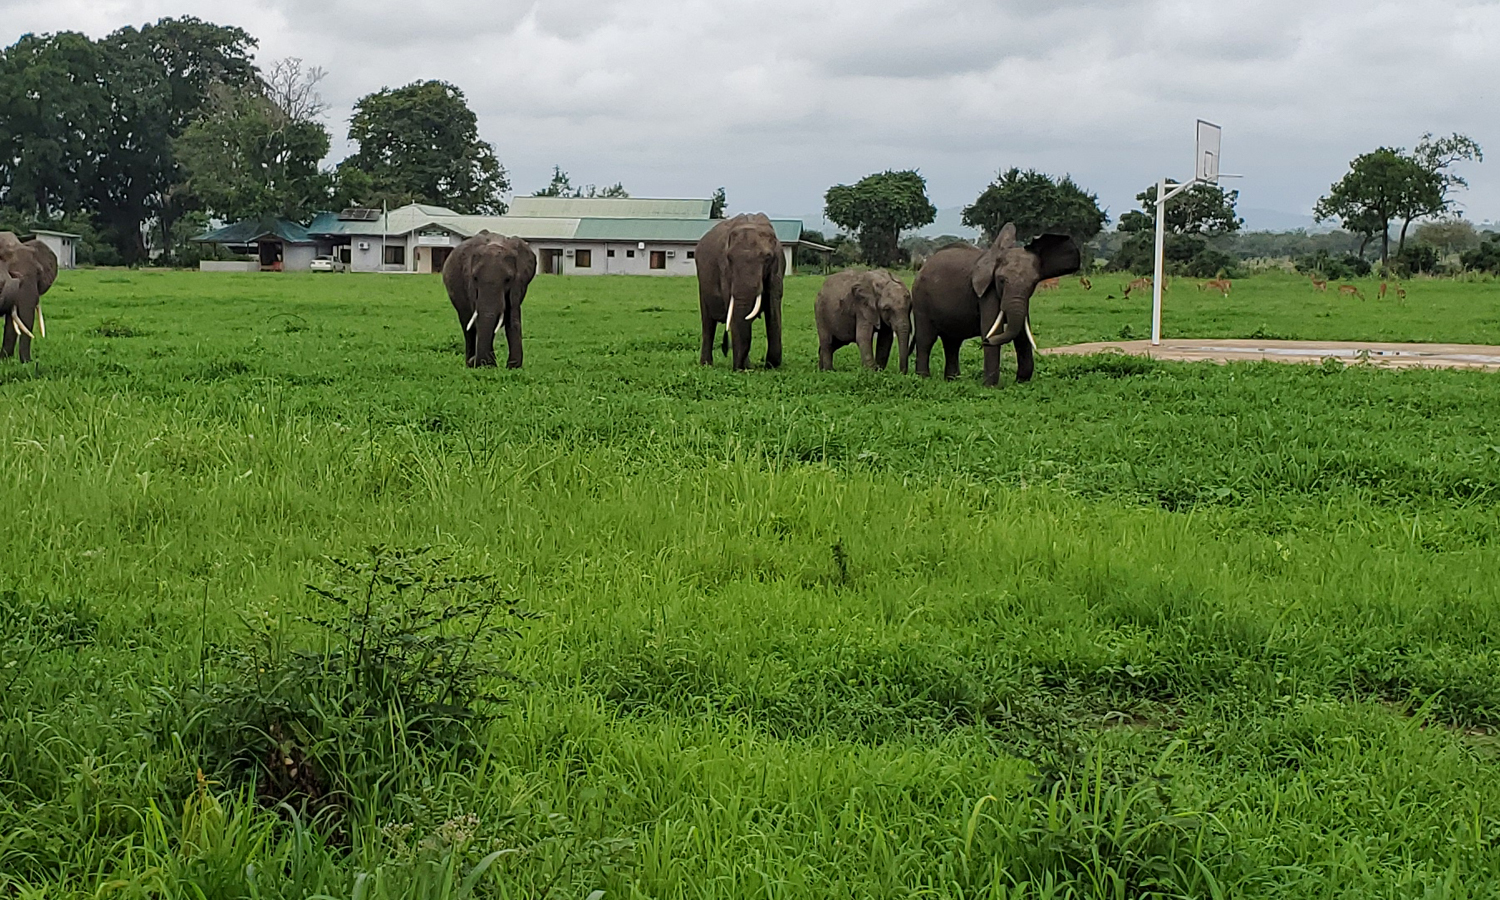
[[1431, 356]]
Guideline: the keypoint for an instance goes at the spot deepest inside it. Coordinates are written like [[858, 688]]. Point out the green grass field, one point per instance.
[[1135, 629]]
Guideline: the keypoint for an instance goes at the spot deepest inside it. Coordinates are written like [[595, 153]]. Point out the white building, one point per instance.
[[63, 246], [595, 236]]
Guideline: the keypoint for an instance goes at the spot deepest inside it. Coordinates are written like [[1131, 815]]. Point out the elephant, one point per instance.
[[867, 309], [740, 271], [964, 292], [27, 270], [486, 277]]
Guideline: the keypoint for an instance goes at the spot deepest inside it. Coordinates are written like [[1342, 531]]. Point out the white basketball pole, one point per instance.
[[1162, 196]]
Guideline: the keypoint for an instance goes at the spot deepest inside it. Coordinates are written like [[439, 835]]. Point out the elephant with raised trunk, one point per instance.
[[964, 292], [868, 309], [27, 270], [486, 277], [740, 270]]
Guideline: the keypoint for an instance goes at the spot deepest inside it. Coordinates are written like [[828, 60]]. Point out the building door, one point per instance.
[[658, 259], [440, 257], [552, 262]]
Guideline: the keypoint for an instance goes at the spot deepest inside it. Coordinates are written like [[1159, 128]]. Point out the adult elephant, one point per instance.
[[867, 309], [964, 292], [486, 277], [27, 270], [740, 270]]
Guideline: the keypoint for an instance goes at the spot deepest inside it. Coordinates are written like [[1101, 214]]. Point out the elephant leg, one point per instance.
[[8, 346], [925, 339], [864, 338], [883, 339], [513, 337], [469, 336], [773, 335], [1025, 354], [951, 346], [710, 328], [991, 364], [825, 352]]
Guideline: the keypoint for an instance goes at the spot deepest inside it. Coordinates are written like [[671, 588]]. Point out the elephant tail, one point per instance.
[[724, 343]]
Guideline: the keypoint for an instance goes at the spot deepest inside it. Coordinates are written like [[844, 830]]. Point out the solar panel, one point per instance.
[[358, 214]]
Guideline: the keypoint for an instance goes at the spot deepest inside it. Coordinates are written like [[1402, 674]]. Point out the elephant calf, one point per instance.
[[27, 270], [867, 309], [486, 277], [964, 292]]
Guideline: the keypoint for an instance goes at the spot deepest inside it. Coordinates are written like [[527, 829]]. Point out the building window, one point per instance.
[[690, 254], [583, 259], [395, 255], [610, 254], [658, 259], [630, 254]]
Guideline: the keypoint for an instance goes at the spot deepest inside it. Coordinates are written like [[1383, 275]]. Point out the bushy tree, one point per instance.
[[420, 143], [248, 157], [1036, 203], [561, 185], [1199, 214], [1484, 258], [720, 201], [1448, 235], [878, 208]]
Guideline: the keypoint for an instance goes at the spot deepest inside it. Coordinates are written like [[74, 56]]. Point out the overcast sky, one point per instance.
[[778, 99]]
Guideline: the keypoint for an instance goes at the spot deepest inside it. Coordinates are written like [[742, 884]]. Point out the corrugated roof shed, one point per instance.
[[251, 230], [609, 208]]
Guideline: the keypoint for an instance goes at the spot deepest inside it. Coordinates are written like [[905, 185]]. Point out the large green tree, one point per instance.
[[420, 143], [878, 208], [1194, 218], [1381, 185], [248, 157], [1036, 203], [561, 185]]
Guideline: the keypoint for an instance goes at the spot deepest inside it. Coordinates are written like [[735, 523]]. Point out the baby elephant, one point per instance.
[[856, 307]]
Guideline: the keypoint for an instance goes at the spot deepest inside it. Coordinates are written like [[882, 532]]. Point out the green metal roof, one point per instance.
[[251, 230], [609, 208], [677, 231]]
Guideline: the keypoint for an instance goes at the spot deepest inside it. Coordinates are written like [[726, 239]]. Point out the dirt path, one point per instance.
[[1431, 356]]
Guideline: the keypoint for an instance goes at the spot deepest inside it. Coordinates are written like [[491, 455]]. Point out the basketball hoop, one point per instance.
[[1205, 171]]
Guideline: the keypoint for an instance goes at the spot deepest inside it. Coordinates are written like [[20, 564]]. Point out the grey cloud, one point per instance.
[[780, 98]]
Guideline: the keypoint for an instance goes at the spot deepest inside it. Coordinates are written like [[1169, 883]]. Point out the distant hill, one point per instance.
[[1276, 220]]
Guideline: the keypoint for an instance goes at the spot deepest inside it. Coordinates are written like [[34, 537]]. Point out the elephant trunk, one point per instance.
[[903, 345], [1013, 313], [487, 325]]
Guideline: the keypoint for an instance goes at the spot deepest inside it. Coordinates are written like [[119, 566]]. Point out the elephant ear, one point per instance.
[[1058, 255], [46, 264], [983, 274]]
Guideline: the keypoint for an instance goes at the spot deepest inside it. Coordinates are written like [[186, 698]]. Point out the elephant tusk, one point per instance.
[[995, 329], [41, 322], [500, 324], [472, 320], [21, 328], [756, 311], [1030, 338], [729, 317]]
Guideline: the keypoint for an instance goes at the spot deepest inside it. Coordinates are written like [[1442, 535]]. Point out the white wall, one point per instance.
[[297, 257], [629, 259], [61, 247], [227, 265]]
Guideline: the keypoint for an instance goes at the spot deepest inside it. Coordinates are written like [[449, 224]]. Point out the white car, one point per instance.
[[326, 264]]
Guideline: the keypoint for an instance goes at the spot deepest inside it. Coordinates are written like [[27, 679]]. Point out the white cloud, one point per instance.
[[777, 100]]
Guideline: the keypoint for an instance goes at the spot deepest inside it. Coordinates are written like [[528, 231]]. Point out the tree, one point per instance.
[[1448, 235], [52, 107], [249, 157], [720, 201], [561, 185], [1432, 195], [420, 143], [1379, 186], [293, 88], [1199, 214], [878, 209], [1037, 203]]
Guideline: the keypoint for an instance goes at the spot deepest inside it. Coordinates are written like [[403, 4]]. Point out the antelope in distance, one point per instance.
[[1221, 285], [1381, 295], [1349, 290], [1320, 283], [1051, 284], [1084, 283], [1140, 284], [1400, 294]]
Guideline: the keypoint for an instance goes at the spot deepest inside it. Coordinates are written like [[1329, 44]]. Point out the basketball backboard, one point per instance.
[[1207, 165]]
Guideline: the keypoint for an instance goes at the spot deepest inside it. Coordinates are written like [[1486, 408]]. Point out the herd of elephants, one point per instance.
[[961, 292]]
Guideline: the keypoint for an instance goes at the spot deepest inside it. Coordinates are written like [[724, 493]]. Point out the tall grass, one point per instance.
[[1136, 629]]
